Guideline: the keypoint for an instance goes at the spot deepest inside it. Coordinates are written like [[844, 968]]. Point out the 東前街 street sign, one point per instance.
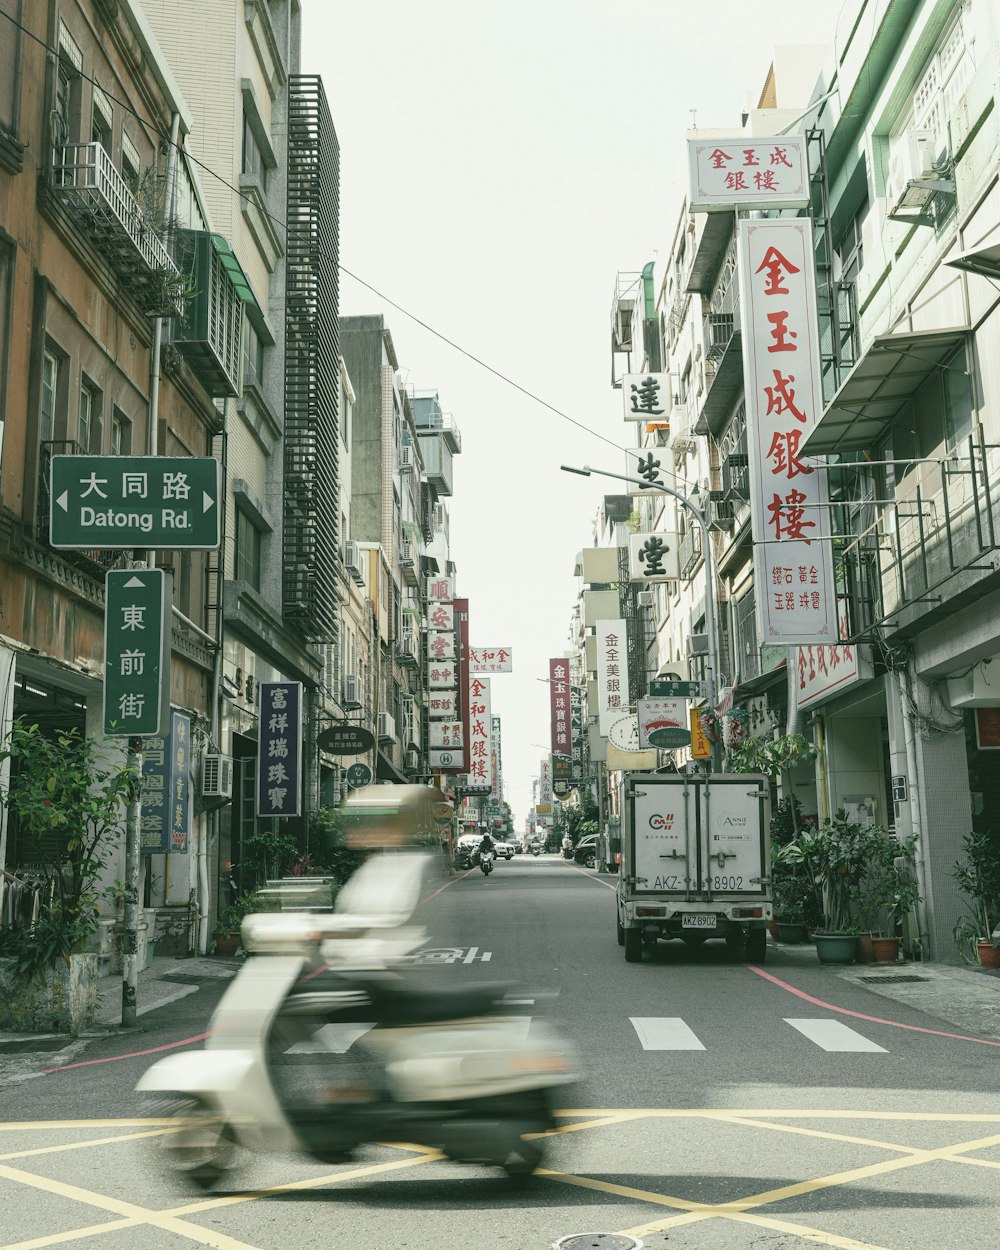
[[137, 652], [153, 502], [675, 689]]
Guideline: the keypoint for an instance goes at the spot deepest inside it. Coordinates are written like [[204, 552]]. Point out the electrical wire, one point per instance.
[[152, 130]]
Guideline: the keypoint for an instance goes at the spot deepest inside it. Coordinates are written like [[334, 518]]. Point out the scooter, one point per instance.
[[320, 1045], [486, 859], [536, 850]]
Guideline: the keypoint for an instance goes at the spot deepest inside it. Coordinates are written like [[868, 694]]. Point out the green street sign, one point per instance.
[[166, 502], [675, 690], [137, 652], [669, 737]]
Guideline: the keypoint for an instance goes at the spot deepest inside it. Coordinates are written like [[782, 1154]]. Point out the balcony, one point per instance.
[[723, 361], [97, 196], [690, 551], [441, 423], [210, 334]]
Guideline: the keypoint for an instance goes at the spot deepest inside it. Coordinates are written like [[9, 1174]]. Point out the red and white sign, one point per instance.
[[446, 735], [440, 589], [745, 172], [612, 674], [559, 707], [480, 733], [660, 714], [442, 676], [441, 646], [442, 705], [824, 671], [793, 558], [440, 616], [490, 660]]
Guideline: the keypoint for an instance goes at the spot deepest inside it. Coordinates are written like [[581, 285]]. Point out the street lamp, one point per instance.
[[712, 665]]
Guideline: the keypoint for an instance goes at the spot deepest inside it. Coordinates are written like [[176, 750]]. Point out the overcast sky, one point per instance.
[[501, 162]]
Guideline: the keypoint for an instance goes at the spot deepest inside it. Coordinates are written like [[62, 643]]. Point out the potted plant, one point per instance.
[[835, 857], [226, 933], [978, 877]]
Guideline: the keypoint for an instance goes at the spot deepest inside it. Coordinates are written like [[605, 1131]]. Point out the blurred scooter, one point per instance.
[[449, 1067]]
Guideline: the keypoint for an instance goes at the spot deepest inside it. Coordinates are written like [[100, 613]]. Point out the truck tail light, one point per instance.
[[649, 911], [750, 913]]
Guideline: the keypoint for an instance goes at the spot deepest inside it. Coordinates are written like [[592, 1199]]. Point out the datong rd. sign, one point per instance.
[[167, 502]]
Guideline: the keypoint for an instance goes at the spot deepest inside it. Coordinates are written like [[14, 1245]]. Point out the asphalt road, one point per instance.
[[720, 1106]]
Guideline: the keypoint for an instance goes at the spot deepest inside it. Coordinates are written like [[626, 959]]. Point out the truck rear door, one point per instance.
[[734, 827], [664, 832]]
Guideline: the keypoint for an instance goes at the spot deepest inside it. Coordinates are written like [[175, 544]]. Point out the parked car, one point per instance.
[[585, 851], [507, 849]]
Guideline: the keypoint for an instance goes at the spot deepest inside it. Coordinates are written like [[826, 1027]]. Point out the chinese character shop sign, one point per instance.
[[480, 733], [748, 173], [612, 673], [793, 560], [559, 707], [279, 749], [165, 789], [647, 397], [490, 660]]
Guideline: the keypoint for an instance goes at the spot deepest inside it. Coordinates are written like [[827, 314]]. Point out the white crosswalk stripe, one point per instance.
[[834, 1036], [665, 1033]]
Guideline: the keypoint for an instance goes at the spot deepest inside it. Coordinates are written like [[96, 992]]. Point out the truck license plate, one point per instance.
[[697, 922]]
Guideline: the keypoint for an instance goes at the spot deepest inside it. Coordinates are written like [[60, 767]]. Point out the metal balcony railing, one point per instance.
[[690, 550], [86, 180], [444, 423]]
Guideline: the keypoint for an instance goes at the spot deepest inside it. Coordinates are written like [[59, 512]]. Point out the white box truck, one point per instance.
[[696, 861]]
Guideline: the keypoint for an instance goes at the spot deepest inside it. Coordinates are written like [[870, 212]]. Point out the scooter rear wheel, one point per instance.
[[204, 1149]]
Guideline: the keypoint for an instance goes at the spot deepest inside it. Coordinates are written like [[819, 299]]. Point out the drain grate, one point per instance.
[[894, 979], [597, 1241], [42, 1045]]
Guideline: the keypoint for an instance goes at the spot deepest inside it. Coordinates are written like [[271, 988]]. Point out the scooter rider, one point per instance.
[[486, 844]]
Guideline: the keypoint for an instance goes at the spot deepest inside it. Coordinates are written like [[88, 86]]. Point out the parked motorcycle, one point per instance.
[[325, 1040], [486, 859]]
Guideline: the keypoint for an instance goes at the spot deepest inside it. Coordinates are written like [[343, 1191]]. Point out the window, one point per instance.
[[246, 554], [101, 117], [943, 82], [50, 396], [942, 412], [131, 164], [253, 159], [253, 356], [68, 84], [7, 255], [121, 434], [89, 424]]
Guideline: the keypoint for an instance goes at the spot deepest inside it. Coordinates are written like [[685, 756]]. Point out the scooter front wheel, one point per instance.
[[201, 1149]]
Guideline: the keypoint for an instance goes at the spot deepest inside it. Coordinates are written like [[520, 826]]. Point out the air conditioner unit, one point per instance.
[[352, 561], [405, 459], [386, 726], [721, 514], [216, 777], [698, 644], [350, 691], [409, 644], [911, 158], [406, 554], [644, 598]]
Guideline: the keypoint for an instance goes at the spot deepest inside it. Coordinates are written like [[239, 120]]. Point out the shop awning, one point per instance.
[[877, 389], [984, 259], [386, 770], [235, 270]]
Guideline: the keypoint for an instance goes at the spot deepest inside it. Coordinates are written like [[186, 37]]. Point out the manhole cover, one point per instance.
[[597, 1241], [894, 980], [35, 1044]]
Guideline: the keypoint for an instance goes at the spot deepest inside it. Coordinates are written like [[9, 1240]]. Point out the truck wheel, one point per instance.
[[756, 945], [633, 946], [621, 931]]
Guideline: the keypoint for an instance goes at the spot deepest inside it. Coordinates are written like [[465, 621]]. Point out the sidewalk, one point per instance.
[[168, 980], [967, 999]]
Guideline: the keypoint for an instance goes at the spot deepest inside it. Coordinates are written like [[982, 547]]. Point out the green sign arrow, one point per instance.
[[137, 652], [166, 502]]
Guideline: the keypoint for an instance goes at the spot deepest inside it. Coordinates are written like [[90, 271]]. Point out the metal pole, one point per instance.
[[713, 653], [130, 936]]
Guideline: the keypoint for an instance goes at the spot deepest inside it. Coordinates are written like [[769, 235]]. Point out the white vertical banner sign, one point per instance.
[[793, 556], [612, 674], [480, 733]]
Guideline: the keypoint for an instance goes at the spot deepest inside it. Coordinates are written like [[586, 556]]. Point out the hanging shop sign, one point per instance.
[[441, 616], [745, 172], [166, 789], [647, 397], [793, 556], [359, 775], [279, 749], [612, 673], [440, 646], [480, 733], [345, 740], [559, 707], [624, 734], [440, 589], [490, 660], [445, 735], [654, 557], [663, 723]]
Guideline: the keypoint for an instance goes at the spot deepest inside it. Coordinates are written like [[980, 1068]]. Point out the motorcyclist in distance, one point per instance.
[[486, 843]]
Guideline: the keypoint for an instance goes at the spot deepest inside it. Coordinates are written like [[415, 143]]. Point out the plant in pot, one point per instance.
[[790, 906], [835, 857], [978, 877], [226, 933]]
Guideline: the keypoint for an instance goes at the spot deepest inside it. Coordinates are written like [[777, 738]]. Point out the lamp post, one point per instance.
[[713, 668]]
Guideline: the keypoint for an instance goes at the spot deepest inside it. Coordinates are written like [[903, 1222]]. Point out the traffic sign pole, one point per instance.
[[130, 935]]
